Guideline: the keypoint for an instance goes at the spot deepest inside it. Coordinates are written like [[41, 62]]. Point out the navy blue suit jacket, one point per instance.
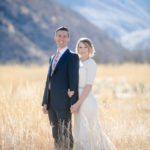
[[64, 77]]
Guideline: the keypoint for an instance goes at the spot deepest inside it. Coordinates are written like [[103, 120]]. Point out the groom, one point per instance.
[[63, 74]]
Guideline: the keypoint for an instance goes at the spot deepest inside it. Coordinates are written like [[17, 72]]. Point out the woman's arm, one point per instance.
[[84, 94]]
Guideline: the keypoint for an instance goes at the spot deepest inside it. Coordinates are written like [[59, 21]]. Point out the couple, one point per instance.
[[68, 90]]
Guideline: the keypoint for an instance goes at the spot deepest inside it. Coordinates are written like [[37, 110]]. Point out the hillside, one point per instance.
[[27, 29]]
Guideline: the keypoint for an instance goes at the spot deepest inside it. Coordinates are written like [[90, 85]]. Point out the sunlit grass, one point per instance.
[[122, 92]]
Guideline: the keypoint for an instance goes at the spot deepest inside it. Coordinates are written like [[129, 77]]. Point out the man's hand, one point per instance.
[[44, 109]]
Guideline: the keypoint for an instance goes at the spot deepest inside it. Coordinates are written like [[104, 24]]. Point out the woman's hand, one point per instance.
[[75, 108], [70, 93]]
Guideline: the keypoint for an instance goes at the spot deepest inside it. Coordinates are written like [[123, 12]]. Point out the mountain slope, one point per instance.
[[124, 20], [27, 29]]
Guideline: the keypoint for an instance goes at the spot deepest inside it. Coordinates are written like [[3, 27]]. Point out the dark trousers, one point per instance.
[[61, 128]]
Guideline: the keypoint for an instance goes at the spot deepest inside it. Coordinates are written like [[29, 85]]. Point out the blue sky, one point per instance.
[[127, 21]]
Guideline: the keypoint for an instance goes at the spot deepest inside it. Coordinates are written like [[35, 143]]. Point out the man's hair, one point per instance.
[[62, 29]]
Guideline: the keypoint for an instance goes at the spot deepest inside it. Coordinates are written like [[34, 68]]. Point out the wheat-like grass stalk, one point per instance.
[[122, 92]]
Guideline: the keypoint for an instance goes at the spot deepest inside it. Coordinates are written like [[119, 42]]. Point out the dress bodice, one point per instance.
[[87, 72]]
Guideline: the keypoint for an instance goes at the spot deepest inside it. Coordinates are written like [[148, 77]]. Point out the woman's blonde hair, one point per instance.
[[88, 43]]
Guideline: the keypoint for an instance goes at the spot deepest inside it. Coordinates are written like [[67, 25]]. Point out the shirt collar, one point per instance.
[[62, 50]]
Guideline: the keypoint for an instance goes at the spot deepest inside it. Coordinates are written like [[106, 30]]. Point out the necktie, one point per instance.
[[54, 65], [55, 62]]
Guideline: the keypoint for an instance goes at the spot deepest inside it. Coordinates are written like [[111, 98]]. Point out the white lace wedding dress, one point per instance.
[[88, 134]]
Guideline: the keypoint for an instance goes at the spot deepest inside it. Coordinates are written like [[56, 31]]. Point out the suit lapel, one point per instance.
[[61, 60]]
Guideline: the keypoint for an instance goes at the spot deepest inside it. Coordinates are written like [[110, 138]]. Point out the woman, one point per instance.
[[87, 131]]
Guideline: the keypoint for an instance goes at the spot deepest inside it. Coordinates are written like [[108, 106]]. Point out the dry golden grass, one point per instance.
[[123, 94]]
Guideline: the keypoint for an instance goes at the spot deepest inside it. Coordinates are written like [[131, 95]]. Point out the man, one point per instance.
[[63, 74]]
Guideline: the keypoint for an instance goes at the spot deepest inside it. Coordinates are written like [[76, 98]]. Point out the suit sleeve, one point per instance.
[[73, 76], [45, 95]]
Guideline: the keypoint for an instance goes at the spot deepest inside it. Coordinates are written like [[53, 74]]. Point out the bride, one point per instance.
[[88, 134]]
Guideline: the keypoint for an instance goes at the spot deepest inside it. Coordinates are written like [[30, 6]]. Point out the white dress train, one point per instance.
[[88, 134]]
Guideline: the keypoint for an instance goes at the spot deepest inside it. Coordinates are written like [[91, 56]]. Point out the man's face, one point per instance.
[[61, 39]]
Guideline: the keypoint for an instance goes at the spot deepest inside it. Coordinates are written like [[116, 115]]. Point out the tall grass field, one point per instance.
[[122, 93]]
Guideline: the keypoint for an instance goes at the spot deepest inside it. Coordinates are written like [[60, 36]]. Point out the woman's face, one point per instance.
[[83, 50]]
